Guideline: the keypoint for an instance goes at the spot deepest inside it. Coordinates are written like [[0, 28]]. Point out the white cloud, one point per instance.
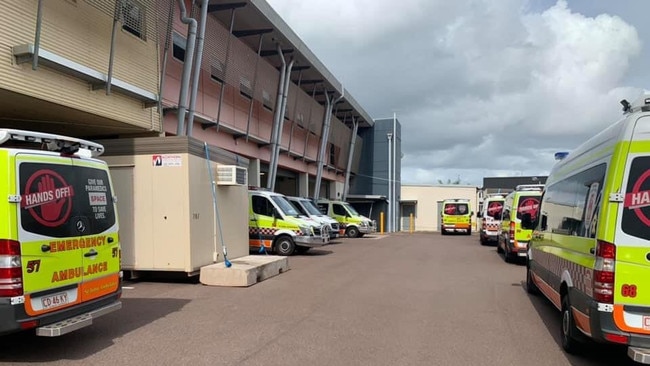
[[481, 87]]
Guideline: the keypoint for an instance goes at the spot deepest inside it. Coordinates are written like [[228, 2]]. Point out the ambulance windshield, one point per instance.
[[285, 206]]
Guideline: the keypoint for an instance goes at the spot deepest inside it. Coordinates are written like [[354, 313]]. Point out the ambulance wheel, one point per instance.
[[469, 231], [352, 232], [568, 331], [531, 287], [482, 240], [284, 245]]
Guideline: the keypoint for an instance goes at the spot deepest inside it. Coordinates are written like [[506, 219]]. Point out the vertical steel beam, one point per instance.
[[187, 66], [37, 35], [117, 14], [285, 93], [277, 118], [293, 119], [163, 71], [250, 106], [197, 65], [225, 67], [353, 141]]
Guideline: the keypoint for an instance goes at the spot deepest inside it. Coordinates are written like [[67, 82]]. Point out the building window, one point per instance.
[[332, 154], [216, 71], [245, 88], [267, 102], [132, 15], [180, 43]]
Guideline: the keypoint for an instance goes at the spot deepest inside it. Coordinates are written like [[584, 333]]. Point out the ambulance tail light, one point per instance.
[[604, 272], [11, 273], [512, 231]]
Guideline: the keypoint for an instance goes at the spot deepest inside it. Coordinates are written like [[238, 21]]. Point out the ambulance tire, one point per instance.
[[482, 240], [352, 232], [569, 333], [284, 245], [469, 232], [531, 287]]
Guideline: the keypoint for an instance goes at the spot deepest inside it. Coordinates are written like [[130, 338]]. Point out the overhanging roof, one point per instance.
[[259, 15]]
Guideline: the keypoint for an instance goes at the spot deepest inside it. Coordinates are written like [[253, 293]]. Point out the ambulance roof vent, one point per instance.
[[52, 142]]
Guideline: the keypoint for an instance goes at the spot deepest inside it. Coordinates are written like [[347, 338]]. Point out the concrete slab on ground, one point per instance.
[[245, 271]]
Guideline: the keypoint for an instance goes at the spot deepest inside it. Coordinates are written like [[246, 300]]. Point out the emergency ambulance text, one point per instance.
[[72, 273], [77, 243]]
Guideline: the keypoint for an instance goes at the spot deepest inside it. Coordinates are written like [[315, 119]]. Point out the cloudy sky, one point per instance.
[[482, 87]]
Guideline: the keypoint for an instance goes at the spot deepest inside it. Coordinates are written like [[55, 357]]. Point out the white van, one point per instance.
[[307, 208], [489, 219]]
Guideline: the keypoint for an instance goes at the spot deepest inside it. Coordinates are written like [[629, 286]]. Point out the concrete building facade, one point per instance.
[[423, 204], [229, 74]]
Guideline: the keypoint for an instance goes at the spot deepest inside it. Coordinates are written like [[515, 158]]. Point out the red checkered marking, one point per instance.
[[581, 276], [267, 231]]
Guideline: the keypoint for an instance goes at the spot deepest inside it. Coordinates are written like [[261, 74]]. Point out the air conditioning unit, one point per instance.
[[231, 175]]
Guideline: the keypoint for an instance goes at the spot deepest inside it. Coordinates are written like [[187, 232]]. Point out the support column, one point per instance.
[[187, 67], [303, 184], [254, 173], [353, 140], [277, 119]]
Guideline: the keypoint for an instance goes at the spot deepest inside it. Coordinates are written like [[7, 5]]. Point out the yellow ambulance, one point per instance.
[[59, 244], [456, 216], [276, 226], [513, 239], [590, 252]]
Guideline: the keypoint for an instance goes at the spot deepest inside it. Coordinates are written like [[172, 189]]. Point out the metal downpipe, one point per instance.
[[187, 66], [323, 141], [324, 138], [197, 65], [276, 153], [277, 117], [293, 118], [225, 67], [353, 141], [37, 35], [163, 71], [250, 106]]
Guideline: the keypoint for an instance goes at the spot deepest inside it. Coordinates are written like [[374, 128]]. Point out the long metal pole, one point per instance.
[[323, 141], [225, 67], [277, 118], [197, 65], [37, 36], [293, 115], [250, 105], [276, 153], [346, 187], [111, 57], [187, 67], [390, 191], [163, 72], [394, 173]]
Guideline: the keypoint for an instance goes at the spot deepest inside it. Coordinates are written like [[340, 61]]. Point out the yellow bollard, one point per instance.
[[381, 223], [411, 223]]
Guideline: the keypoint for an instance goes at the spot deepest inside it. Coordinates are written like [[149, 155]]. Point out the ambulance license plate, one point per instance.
[[646, 322], [55, 300]]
